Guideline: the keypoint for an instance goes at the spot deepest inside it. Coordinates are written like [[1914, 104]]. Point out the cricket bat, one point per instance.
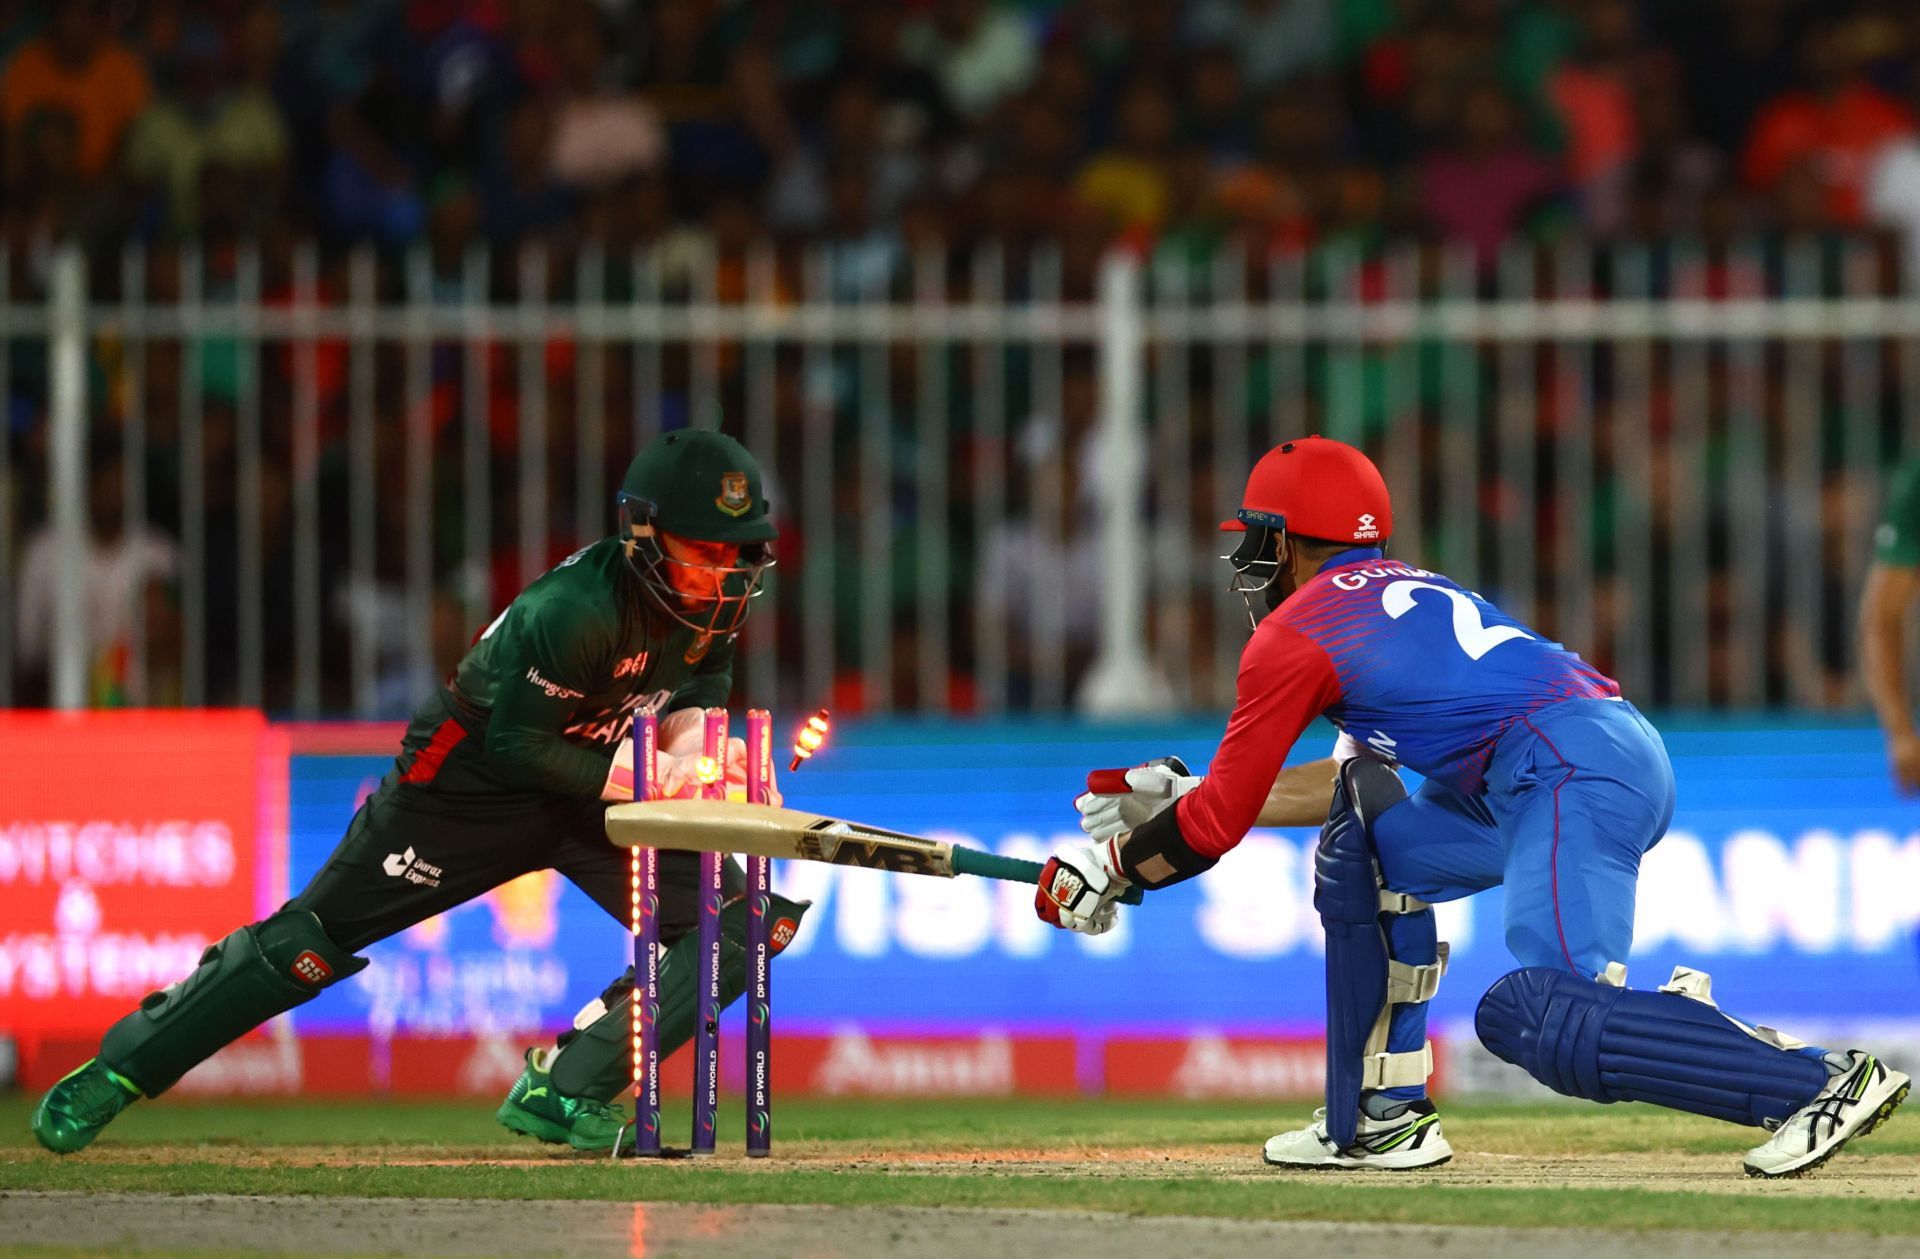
[[758, 830]]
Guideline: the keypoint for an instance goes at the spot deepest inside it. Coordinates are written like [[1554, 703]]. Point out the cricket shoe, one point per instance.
[[535, 1108], [85, 1100], [1859, 1097], [1411, 1139]]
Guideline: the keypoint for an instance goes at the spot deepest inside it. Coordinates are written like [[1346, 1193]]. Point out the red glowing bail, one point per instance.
[[810, 738]]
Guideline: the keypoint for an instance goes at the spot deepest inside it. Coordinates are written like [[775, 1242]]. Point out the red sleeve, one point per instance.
[[1286, 680]]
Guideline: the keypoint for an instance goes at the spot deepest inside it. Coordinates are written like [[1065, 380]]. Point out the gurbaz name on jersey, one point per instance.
[[1355, 578]]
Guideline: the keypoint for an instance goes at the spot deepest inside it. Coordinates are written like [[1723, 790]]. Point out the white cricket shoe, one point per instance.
[[1410, 1140], [1856, 1100]]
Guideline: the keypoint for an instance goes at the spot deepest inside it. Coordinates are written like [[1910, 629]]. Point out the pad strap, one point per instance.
[[1401, 903], [1392, 1071], [1415, 983]]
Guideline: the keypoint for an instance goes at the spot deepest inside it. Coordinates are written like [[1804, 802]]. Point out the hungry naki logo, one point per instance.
[[553, 689], [735, 497]]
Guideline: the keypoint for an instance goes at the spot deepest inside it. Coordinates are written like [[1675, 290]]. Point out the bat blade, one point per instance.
[[761, 831]]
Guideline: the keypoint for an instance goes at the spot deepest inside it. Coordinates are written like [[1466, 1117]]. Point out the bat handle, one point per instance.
[[988, 865]]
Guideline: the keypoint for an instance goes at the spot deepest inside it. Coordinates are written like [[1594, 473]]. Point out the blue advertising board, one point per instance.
[[1792, 873]]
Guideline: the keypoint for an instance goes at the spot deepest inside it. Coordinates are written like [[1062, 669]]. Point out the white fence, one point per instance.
[[997, 476]]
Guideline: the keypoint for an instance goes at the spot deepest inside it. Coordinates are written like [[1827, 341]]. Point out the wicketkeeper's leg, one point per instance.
[[566, 1092]]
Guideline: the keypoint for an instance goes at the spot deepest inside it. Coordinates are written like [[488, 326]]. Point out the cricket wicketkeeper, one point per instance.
[[506, 770], [1538, 777]]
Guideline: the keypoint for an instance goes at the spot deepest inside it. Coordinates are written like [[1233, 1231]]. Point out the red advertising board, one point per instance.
[[1208, 1064], [129, 841]]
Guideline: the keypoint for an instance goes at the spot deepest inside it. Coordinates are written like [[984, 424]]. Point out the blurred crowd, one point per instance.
[[1285, 123], [892, 131]]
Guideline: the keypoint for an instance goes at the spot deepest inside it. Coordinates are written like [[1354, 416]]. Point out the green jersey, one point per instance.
[[547, 692], [1897, 540]]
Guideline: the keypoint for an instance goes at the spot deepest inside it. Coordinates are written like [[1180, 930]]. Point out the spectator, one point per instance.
[[1838, 124], [866, 254], [1128, 182], [1592, 96], [464, 76], [1216, 106], [1480, 188], [600, 134], [799, 199], [47, 199], [1039, 573], [519, 197], [1738, 56], [980, 54], [77, 68], [914, 109], [1664, 191], [1275, 39], [205, 121], [116, 567]]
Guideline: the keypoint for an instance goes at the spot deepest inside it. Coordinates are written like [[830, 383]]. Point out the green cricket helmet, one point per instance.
[[700, 486]]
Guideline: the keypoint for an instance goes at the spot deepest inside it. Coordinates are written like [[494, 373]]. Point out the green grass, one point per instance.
[[357, 1149]]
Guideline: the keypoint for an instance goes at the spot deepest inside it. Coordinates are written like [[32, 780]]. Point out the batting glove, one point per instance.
[[1078, 887], [1111, 807]]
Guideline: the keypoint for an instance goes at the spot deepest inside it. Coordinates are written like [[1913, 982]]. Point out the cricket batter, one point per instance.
[[1538, 776], [506, 770]]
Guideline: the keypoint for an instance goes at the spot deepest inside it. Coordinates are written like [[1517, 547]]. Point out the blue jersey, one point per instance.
[[1430, 674], [1408, 662]]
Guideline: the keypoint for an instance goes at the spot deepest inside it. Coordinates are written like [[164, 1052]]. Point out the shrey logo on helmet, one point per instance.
[[1366, 528], [735, 499]]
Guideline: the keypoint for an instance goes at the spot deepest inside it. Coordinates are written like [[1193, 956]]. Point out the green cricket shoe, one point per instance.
[[536, 1108], [85, 1100]]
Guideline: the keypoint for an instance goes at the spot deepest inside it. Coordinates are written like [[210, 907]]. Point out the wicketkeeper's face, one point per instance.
[[698, 571]]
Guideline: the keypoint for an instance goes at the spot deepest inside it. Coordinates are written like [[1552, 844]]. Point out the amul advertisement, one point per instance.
[[128, 843]]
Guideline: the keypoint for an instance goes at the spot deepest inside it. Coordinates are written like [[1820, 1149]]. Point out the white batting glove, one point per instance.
[[1150, 788], [1078, 888]]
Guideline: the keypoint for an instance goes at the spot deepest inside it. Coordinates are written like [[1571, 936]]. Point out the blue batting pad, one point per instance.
[[1607, 1044]]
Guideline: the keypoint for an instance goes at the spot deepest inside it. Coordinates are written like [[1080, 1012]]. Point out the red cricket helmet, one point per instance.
[[1315, 487]]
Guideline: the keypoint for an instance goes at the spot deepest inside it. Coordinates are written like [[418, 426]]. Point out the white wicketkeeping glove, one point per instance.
[[677, 765], [1150, 788]]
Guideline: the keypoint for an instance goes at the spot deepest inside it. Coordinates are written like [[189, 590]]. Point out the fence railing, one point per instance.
[[299, 479]]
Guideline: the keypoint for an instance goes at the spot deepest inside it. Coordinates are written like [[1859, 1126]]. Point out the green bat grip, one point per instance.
[[989, 865]]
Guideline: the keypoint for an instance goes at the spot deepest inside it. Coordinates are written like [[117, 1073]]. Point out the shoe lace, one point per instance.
[[1831, 1106]]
